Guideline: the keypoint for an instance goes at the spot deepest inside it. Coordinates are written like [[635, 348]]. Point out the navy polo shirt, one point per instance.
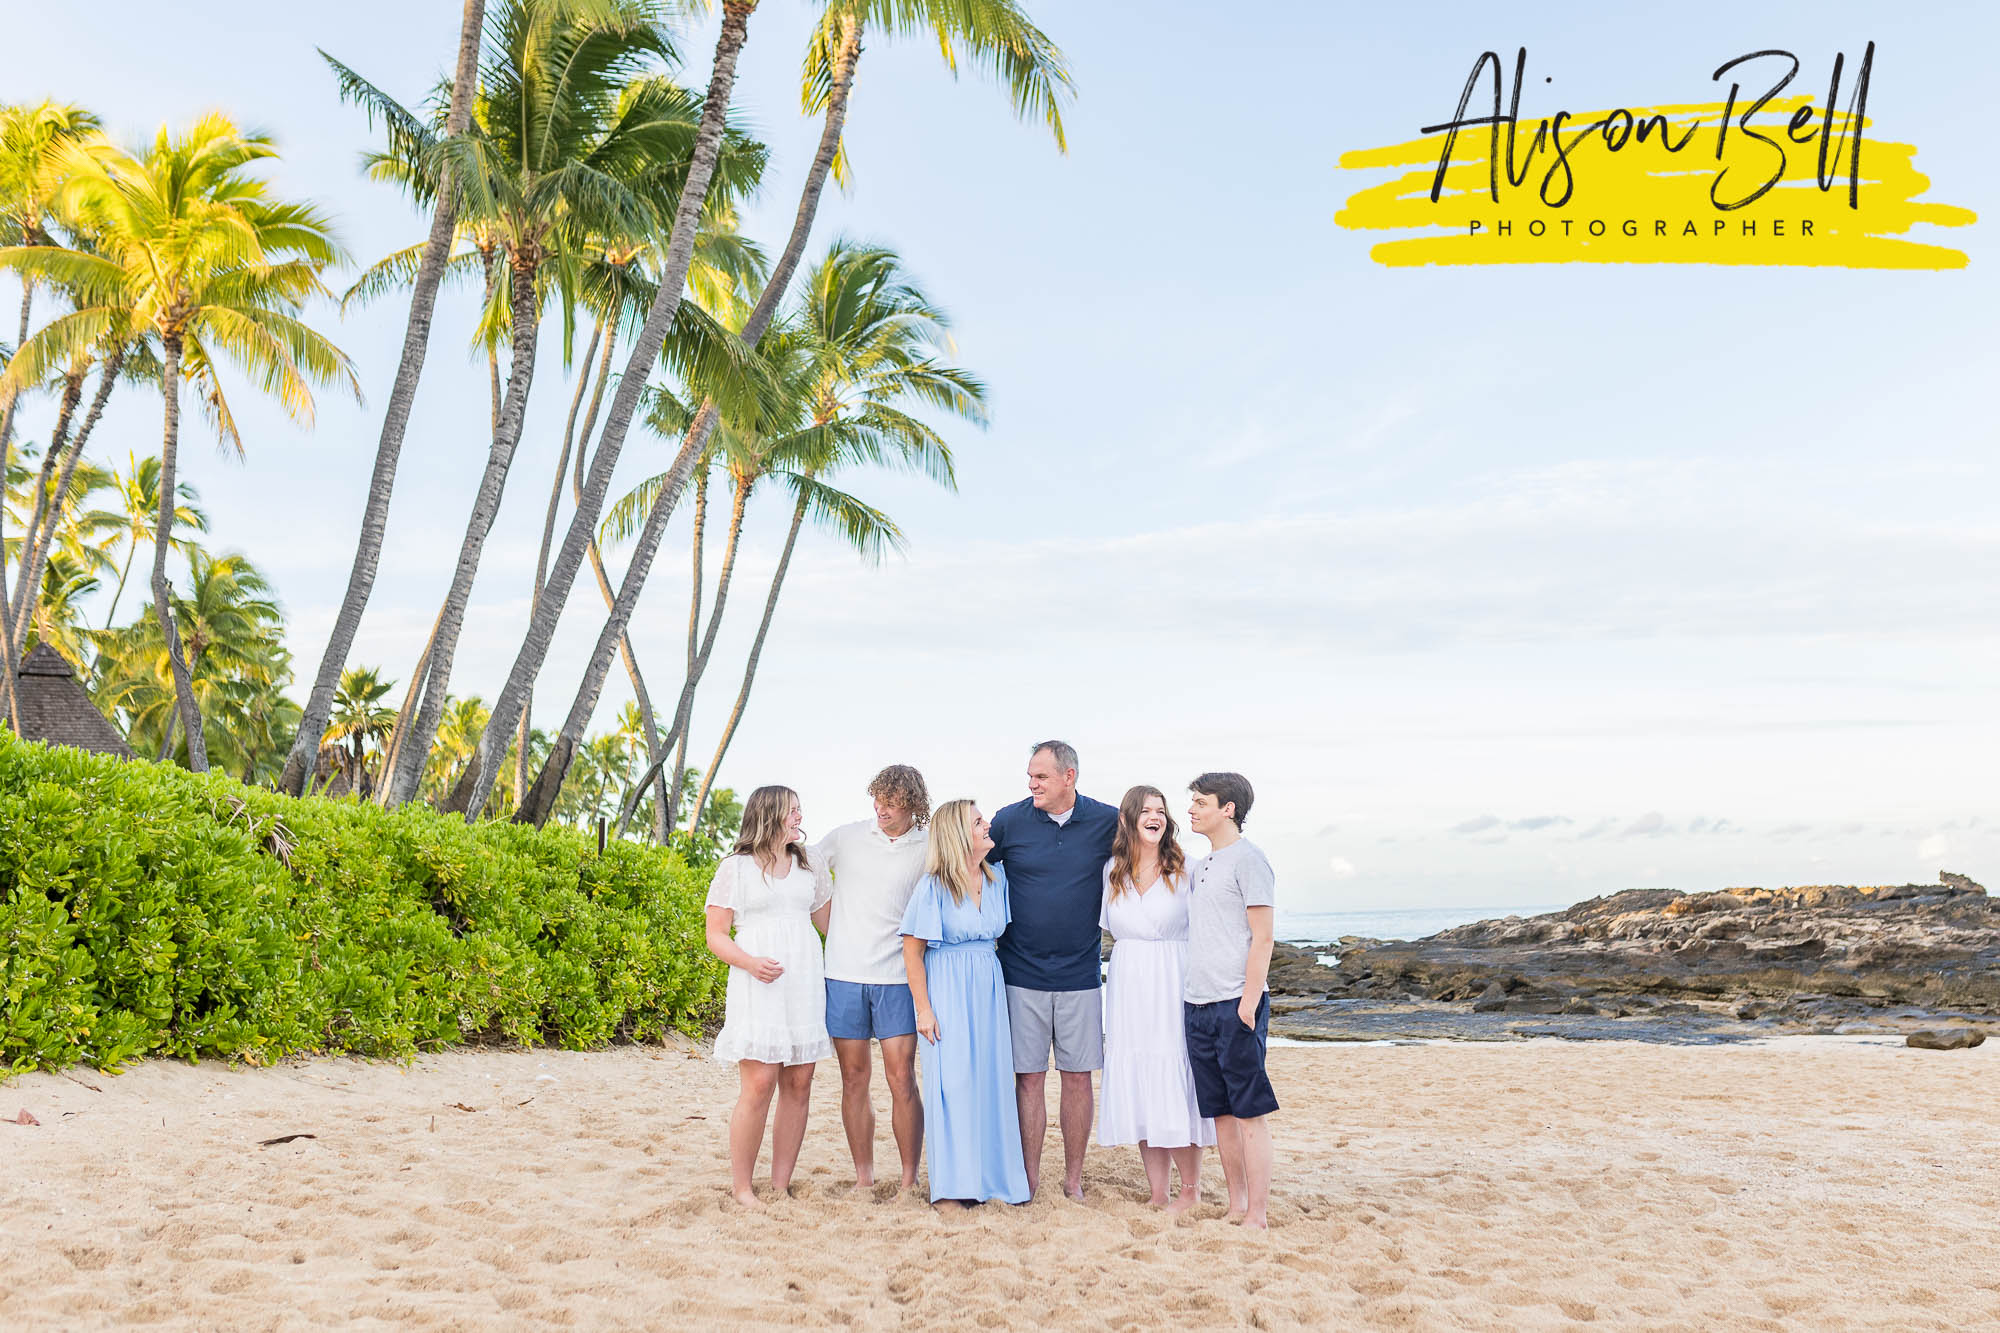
[[1055, 885]]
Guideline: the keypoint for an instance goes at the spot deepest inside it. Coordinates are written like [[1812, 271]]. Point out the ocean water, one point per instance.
[[1396, 923]]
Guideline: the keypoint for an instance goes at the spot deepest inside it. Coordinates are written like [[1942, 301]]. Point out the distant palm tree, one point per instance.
[[137, 494], [873, 341], [360, 719], [237, 661], [194, 252]]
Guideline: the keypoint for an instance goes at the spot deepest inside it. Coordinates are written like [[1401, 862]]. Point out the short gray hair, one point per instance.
[[1061, 751]]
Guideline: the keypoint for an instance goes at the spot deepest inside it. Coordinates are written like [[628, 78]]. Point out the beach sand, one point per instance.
[[1810, 1183]]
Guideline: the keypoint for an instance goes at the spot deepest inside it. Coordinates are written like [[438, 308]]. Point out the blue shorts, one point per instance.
[[1228, 1059], [857, 1011]]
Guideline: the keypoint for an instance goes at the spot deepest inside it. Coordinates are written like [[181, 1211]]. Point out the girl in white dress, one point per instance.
[[1148, 1087], [774, 1024]]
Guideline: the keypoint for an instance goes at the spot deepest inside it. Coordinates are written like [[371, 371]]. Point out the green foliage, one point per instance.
[[145, 910]]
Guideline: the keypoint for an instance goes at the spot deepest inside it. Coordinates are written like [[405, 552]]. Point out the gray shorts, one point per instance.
[[1071, 1020]]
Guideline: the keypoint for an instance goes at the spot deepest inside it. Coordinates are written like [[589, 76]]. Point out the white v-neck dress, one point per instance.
[[780, 1022], [1148, 1086]]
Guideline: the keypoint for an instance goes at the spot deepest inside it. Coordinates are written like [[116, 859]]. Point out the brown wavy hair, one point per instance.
[[764, 816], [901, 785], [1125, 843]]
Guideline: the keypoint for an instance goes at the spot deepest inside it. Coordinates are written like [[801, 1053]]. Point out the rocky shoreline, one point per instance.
[[1661, 965]]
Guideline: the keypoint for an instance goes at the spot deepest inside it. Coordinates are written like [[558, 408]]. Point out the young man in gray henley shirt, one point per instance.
[[1231, 899]]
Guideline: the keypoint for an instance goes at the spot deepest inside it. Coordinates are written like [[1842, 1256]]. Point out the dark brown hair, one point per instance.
[[1125, 843], [1226, 788], [901, 785], [764, 816]]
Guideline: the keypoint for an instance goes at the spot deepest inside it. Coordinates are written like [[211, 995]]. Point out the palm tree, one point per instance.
[[34, 142], [67, 580], [137, 491], [994, 33], [567, 133], [359, 718], [874, 340], [395, 422], [194, 252], [236, 659]]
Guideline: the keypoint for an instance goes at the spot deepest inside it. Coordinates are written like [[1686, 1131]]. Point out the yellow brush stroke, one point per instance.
[[1646, 184]]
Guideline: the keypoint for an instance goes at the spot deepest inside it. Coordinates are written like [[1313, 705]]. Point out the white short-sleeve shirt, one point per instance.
[[873, 877]]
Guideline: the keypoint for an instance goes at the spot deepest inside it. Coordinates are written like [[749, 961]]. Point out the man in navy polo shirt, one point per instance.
[[1054, 846]]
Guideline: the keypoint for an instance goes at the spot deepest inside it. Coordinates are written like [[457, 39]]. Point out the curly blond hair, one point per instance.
[[901, 785]]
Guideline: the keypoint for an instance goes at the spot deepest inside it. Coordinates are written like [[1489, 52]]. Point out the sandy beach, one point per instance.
[[1804, 1183]]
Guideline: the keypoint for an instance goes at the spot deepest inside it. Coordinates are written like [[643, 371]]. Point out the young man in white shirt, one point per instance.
[[1232, 897], [875, 865]]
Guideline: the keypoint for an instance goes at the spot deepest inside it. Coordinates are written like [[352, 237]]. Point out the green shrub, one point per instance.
[[145, 910]]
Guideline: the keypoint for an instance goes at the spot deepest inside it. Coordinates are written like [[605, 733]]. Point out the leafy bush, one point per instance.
[[145, 910]]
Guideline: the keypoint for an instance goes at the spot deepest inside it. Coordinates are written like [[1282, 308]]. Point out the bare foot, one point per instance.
[[1257, 1223], [949, 1205], [1158, 1201], [747, 1198], [866, 1182], [1074, 1193], [1184, 1202], [1233, 1217]]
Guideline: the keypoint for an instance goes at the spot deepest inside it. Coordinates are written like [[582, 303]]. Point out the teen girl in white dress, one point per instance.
[[774, 1024], [1148, 1087]]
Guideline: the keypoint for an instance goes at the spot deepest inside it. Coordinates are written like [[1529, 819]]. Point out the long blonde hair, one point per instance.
[[1125, 844], [764, 816], [951, 847]]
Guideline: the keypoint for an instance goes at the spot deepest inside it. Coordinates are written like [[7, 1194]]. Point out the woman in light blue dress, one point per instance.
[[972, 1128]]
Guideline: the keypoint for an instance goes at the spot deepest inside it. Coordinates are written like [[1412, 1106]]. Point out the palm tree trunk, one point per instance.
[[395, 421], [624, 404], [419, 677], [131, 552], [556, 767], [25, 593], [520, 378], [542, 626], [673, 802], [163, 610], [750, 666], [39, 559], [9, 706], [549, 522]]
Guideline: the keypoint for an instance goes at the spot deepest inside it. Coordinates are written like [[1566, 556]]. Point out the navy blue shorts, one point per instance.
[[1228, 1059], [856, 1011]]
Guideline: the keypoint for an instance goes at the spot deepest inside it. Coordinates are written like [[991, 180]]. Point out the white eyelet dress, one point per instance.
[[781, 1022]]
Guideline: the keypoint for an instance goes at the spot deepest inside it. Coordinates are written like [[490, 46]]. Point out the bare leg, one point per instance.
[[1188, 1161], [857, 1110], [1031, 1100], [1256, 1135], [906, 1102], [1229, 1147], [1155, 1160], [795, 1086], [1077, 1109], [756, 1082]]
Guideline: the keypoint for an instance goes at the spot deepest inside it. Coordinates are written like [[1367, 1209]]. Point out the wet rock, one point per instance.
[[1807, 958], [1945, 1039]]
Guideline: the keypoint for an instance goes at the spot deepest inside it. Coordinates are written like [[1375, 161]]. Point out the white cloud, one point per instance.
[[1340, 868], [1649, 825], [1934, 848]]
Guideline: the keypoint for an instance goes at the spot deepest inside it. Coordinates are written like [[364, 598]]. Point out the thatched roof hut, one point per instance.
[[54, 708]]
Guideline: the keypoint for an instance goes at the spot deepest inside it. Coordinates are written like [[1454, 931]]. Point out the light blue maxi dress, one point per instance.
[[972, 1129]]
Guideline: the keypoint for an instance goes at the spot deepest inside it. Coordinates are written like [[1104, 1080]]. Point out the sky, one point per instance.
[[1504, 585]]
